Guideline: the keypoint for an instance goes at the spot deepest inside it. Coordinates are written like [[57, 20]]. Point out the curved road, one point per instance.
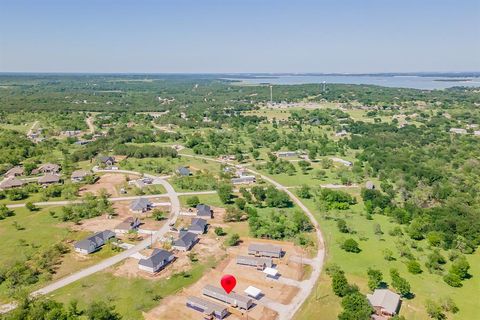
[[287, 312]]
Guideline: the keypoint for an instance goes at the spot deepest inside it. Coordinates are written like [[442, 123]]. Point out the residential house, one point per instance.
[[185, 241], [265, 250], [198, 226], [258, 262], [204, 211], [184, 171], [48, 179], [458, 130], [107, 160], [208, 308], [15, 172], [127, 225], [158, 260], [232, 298], [93, 243], [47, 168], [140, 205], [11, 182], [79, 175], [385, 302]]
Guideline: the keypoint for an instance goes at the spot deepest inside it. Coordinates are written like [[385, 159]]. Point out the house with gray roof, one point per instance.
[[140, 205], [232, 298], [106, 160], [15, 172], [48, 179], [93, 243], [158, 260], [198, 226], [244, 180], [127, 225], [207, 307], [184, 171], [79, 175], [265, 250], [258, 262], [204, 211], [11, 183], [285, 154], [385, 302], [185, 241]]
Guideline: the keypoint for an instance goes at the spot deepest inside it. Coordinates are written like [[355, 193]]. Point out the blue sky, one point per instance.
[[239, 35]]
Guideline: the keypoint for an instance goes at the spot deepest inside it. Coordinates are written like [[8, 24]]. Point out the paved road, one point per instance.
[[286, 312]]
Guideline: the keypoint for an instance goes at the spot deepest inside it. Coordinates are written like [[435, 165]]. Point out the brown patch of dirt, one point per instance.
[[111, 182]]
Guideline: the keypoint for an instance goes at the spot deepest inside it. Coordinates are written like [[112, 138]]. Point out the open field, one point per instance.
[[323, 303], [110, 182]]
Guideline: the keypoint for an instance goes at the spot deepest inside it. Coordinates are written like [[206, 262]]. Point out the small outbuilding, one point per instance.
[[271, 272], [369, 185], [253, 292], [184, 171]]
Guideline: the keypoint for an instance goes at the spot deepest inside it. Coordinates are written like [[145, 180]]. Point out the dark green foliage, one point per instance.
[[336, 199], [225, 192], [355, 307], [414, 267], [375, 278], [192, 201], [350, 245], [400, 284]]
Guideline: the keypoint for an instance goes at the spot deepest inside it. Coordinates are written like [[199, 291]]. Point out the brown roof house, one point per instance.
[[385, 302], [47, 168], [15, 172], [11, 182], [48, 179]]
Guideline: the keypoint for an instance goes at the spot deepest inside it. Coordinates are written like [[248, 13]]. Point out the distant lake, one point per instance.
[[415, 82]]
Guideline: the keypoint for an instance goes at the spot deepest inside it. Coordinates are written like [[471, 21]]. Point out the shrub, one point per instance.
[[350, 245]]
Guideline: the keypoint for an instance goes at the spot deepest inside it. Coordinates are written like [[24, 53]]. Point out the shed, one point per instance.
[[253, 292], [184, 171], [270, 272]]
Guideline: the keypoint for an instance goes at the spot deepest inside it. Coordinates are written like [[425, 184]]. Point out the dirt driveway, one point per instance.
[[111, 182]]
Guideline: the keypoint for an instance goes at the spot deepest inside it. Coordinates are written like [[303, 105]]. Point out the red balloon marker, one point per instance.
[[228, 282]]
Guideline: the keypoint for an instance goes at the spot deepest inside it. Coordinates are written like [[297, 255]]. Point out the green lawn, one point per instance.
[[325, 305], [130, 296]]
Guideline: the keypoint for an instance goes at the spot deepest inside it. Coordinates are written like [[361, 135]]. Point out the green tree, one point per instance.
[[219, 231], [350, 245], [233, 240], [225, 192], [414, 267], [102, 311], [400, 284], [355, 307], [375, 278], [240, 203], [192, 201]]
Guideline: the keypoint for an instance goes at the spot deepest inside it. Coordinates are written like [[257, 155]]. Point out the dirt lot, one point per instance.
[[174, 307], [111, 182]]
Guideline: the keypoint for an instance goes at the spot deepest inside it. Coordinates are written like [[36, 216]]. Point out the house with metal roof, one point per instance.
[[258, 262], [93, 243], [49, 179], [127, 225], [11, 182], [204, 211], [184, 171], [185, 241], [198, 226], [232, 298], [265, 250], [140, 205], [158, 260], [208, 308], [385, 302], [244, 180], [285, 154]]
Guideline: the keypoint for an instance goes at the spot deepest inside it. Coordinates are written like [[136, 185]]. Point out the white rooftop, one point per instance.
[[253, 292], [270, 272]]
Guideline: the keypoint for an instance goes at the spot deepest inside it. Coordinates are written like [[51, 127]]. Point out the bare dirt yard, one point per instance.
[[173, 308], [111, 182]]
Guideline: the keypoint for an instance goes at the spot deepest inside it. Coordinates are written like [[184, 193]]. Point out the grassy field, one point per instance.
[[325, 305], [131, 296]]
